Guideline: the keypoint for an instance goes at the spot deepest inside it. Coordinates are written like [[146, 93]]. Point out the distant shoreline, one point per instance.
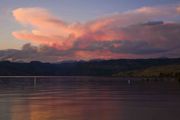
[[103, 68], [105, 77]]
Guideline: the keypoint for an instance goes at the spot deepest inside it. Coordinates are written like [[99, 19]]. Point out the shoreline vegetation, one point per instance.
[[165, 71]]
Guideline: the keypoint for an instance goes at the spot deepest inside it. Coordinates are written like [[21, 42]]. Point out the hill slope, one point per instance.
[[155, 71]]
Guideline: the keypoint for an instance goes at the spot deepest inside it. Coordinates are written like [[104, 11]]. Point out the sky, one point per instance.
[[58, 30]]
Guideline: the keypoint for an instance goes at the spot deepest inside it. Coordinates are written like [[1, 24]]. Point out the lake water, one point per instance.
[[88, 98]]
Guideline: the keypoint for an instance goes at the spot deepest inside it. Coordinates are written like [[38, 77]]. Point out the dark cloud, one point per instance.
[[153, 23], [155, 37], [121, 47], [32, 53], [136, 47]]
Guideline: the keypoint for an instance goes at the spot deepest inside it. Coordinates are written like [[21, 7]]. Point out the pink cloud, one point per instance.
[[44, 23], [52, 41], [101, 54], [102, 33]]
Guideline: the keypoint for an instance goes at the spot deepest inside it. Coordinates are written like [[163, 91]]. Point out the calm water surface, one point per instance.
[[88, 98]]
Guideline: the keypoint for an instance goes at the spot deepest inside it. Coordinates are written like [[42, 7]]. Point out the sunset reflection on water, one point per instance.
[[78, 100]]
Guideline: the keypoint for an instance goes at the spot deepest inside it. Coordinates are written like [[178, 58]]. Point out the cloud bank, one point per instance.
[[139, 33]]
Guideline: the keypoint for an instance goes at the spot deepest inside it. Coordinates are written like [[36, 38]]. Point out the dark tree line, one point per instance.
[[81, 68]]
